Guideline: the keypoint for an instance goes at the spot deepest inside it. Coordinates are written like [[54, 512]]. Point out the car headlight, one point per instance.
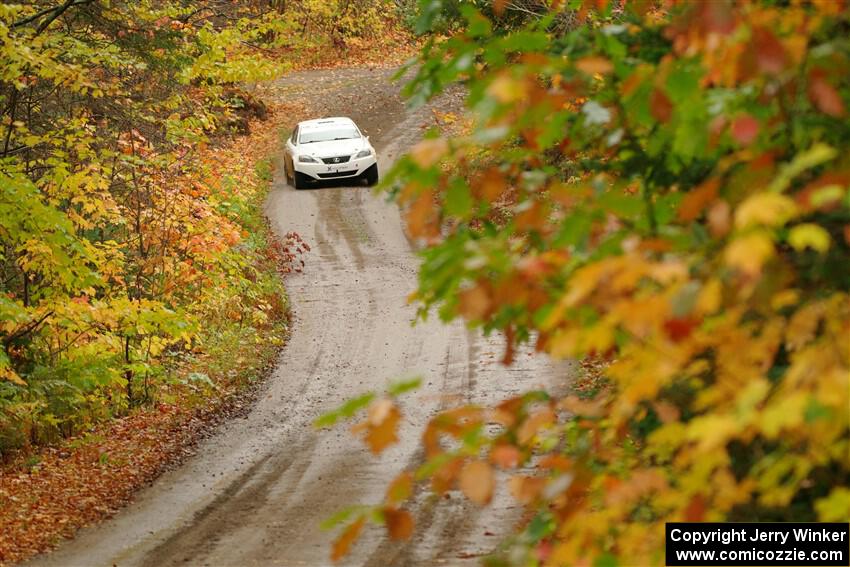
[[307, 159], [363, 153]]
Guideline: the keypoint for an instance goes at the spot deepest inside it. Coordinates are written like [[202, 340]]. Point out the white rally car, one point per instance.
[[326, 149]]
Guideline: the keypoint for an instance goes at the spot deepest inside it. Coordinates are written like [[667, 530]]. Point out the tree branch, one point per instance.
[[52, 14]]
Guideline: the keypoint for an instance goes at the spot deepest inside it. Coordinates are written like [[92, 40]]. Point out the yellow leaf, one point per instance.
[[809, 235], [11, 376], [476, 482], [712, 431], [769, 209], [710, 297], [835, 507], [784, 298], [505, 89], [749, 253], [786, 413]]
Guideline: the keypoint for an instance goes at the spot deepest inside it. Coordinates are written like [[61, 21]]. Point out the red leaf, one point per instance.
[[660, 106], [771, 57], [745, 129], [718, 16], [679, 328], [824, 96], [695, 512]]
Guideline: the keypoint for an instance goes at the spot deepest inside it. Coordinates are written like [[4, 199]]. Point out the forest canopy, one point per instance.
[[118, 233]]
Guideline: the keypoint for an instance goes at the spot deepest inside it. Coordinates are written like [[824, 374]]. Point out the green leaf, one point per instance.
[[818, 154], [404, 386], [459, 200], [345, 411]]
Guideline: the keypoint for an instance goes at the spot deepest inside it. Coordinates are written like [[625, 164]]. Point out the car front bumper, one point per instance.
[[325, 171]]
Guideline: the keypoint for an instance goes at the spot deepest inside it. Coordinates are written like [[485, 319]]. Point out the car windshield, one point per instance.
[[341, 133]]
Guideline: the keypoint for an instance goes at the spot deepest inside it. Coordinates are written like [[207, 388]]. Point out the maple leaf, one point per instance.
[[477, 481]]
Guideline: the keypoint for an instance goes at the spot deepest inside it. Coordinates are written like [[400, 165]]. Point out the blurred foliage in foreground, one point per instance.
[[664, 187]]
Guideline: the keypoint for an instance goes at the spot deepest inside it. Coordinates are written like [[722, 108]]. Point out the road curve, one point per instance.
[[256, 490]]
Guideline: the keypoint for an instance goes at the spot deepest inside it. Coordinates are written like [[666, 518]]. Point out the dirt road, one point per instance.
[[257, 489]]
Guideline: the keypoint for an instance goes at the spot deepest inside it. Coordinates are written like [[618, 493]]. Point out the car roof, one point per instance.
[[322, 123]]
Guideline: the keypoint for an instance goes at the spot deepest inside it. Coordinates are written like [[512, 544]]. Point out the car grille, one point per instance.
[[338, 159], [336, 174]]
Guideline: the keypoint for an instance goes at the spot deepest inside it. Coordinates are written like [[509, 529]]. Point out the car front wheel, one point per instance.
[[286, 171], [371, 175], [300, 181]]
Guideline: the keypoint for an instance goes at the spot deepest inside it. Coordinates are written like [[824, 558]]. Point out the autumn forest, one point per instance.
[[631, 216]]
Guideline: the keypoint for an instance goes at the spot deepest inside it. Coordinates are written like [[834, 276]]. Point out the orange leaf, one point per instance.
[[526, 488], [343, 543], [421, 217], [476, 482], [490, 185], [666, 411], [400, 489], [444, 477], [399, 523], [594, 64], [555, 462], [380, 425], [532, 216], [505, 456], [428, 152], [585, 408], [534, 424], [474, 303], [697, 200]]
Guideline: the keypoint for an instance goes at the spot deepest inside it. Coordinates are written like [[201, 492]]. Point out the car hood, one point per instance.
[[333, 148]]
